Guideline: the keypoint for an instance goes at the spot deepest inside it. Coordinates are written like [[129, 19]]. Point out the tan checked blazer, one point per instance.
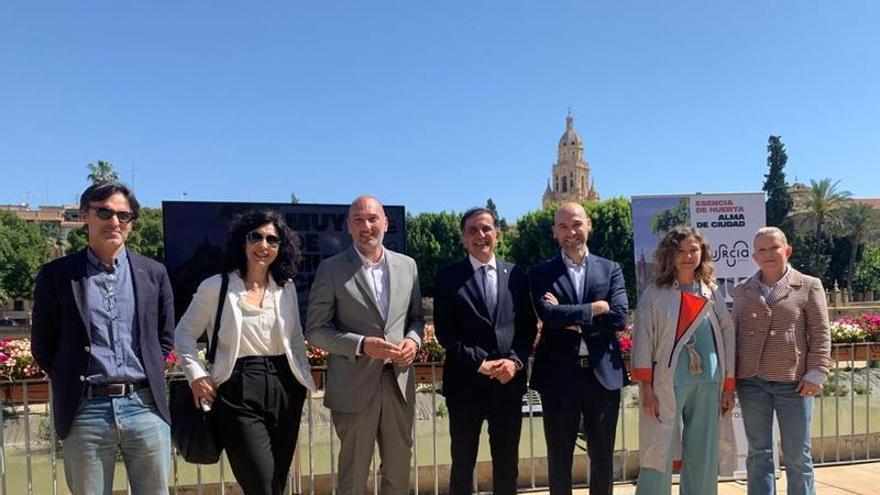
[[781, 338]]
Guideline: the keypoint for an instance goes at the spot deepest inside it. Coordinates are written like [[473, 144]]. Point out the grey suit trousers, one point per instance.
[[388, 421]]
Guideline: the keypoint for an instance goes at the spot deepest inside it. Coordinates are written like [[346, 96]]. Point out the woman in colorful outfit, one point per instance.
[[683, 358]]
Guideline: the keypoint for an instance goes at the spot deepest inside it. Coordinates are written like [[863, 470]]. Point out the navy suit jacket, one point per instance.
[[60, 333], [556, 354], [470, 335]]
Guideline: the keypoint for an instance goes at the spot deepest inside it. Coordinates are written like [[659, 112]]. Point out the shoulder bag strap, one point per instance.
[[212, 347]]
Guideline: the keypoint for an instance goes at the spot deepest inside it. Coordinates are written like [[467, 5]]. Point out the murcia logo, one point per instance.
[[731, 255]]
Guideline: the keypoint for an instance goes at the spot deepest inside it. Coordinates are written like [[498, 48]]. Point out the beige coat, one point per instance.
[[655, 356], [782, 337]]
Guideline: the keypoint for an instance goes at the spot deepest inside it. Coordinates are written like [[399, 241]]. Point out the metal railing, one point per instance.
[[846, 428]]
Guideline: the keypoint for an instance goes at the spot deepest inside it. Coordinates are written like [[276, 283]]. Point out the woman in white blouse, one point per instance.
[[259, 380]]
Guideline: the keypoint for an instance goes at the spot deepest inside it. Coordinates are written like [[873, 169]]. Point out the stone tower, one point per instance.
[[570, 177]]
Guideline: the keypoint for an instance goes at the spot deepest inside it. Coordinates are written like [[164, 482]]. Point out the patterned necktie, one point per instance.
[[489, 294]]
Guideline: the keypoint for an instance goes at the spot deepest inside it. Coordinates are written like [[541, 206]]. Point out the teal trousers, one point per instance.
[[697, 408]]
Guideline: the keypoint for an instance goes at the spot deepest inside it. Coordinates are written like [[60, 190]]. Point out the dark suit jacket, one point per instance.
[[470, 335], [60, 336], [556, 354]]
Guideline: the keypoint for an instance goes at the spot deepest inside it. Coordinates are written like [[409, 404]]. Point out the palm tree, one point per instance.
[[819, 210], [861, 223], [102, 172]]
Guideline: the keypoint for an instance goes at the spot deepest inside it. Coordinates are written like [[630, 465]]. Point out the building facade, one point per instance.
[[570, 175]]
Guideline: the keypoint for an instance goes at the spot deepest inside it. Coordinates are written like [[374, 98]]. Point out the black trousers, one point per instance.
[[256, 416], [562, 412], [465, 423]]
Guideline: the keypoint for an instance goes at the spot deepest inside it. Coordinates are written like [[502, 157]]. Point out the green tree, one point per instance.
[[434, 241], [868, 272], [146, 237], [666, 219], [779, 201], [533, 241], [294, 199], [820, 210], [102, 172], [861, 223], [77, 240], [23, 249]]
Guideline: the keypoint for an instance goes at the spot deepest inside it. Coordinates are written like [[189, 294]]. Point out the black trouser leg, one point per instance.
[[257, 414], [505, 424], [600, 408], [561, 415], [283, 424], [465, 423]]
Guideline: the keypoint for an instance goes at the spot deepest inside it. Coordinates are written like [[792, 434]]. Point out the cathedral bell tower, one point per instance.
[[570, 175]]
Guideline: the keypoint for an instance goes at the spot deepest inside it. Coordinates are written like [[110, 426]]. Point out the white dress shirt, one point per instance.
[[259, 336], [577, 272], [377, 277]]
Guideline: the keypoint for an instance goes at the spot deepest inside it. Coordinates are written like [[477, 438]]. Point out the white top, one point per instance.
[[577, 272], [259, 333], [377, 275]]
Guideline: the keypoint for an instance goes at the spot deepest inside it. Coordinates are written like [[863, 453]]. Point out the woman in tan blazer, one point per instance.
[[782, 358]]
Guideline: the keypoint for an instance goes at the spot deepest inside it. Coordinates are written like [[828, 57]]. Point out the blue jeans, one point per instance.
[[104, 426], [758, 400]]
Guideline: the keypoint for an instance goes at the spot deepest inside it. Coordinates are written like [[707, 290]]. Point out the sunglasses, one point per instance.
[[107, 214], [255, 237]]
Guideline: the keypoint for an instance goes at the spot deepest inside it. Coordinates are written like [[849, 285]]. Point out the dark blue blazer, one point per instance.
[[556, 354], [60, 337], [470, 335]]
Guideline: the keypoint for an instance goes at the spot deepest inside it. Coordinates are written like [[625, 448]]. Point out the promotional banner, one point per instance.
[[729, 222]]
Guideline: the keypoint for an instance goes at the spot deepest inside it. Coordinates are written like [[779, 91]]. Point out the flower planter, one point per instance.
[[13, 392], [423, 373], [844, 353]]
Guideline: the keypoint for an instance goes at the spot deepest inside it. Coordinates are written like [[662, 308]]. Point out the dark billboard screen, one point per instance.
[[195, 238]]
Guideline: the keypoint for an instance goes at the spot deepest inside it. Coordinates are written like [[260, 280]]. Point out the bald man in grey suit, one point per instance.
[[365, 309]]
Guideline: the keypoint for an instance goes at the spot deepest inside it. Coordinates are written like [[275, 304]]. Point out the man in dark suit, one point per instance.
[[578, 368], [484, 319], [103, 324]]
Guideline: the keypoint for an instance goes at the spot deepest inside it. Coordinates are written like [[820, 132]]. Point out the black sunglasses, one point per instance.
[[107, 214], [254, 237]]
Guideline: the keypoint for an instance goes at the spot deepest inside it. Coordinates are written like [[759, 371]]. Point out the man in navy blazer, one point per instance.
[[578, 368], [484, 318], [103, 324]]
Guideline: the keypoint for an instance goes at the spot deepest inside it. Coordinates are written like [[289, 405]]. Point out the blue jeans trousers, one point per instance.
[[758, 400], [105, 426]]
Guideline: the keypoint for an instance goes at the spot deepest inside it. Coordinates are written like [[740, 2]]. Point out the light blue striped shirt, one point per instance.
[[113, 335]]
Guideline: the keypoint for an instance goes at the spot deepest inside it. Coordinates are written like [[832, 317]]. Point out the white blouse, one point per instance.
[[259, 335]]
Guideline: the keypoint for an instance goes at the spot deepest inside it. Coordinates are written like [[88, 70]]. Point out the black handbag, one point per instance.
[[191, 429]]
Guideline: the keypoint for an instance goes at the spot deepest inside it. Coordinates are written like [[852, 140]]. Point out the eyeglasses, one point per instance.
[[255, 237], [107, 214]]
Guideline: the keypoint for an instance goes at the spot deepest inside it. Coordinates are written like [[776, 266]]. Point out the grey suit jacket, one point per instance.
[[343, 309]]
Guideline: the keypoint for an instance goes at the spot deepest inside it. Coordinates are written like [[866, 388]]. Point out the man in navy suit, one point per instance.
[[484, 319], [578, 368], [103, 324]]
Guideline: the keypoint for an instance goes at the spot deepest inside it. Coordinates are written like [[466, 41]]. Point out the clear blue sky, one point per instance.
[[433, 105]]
